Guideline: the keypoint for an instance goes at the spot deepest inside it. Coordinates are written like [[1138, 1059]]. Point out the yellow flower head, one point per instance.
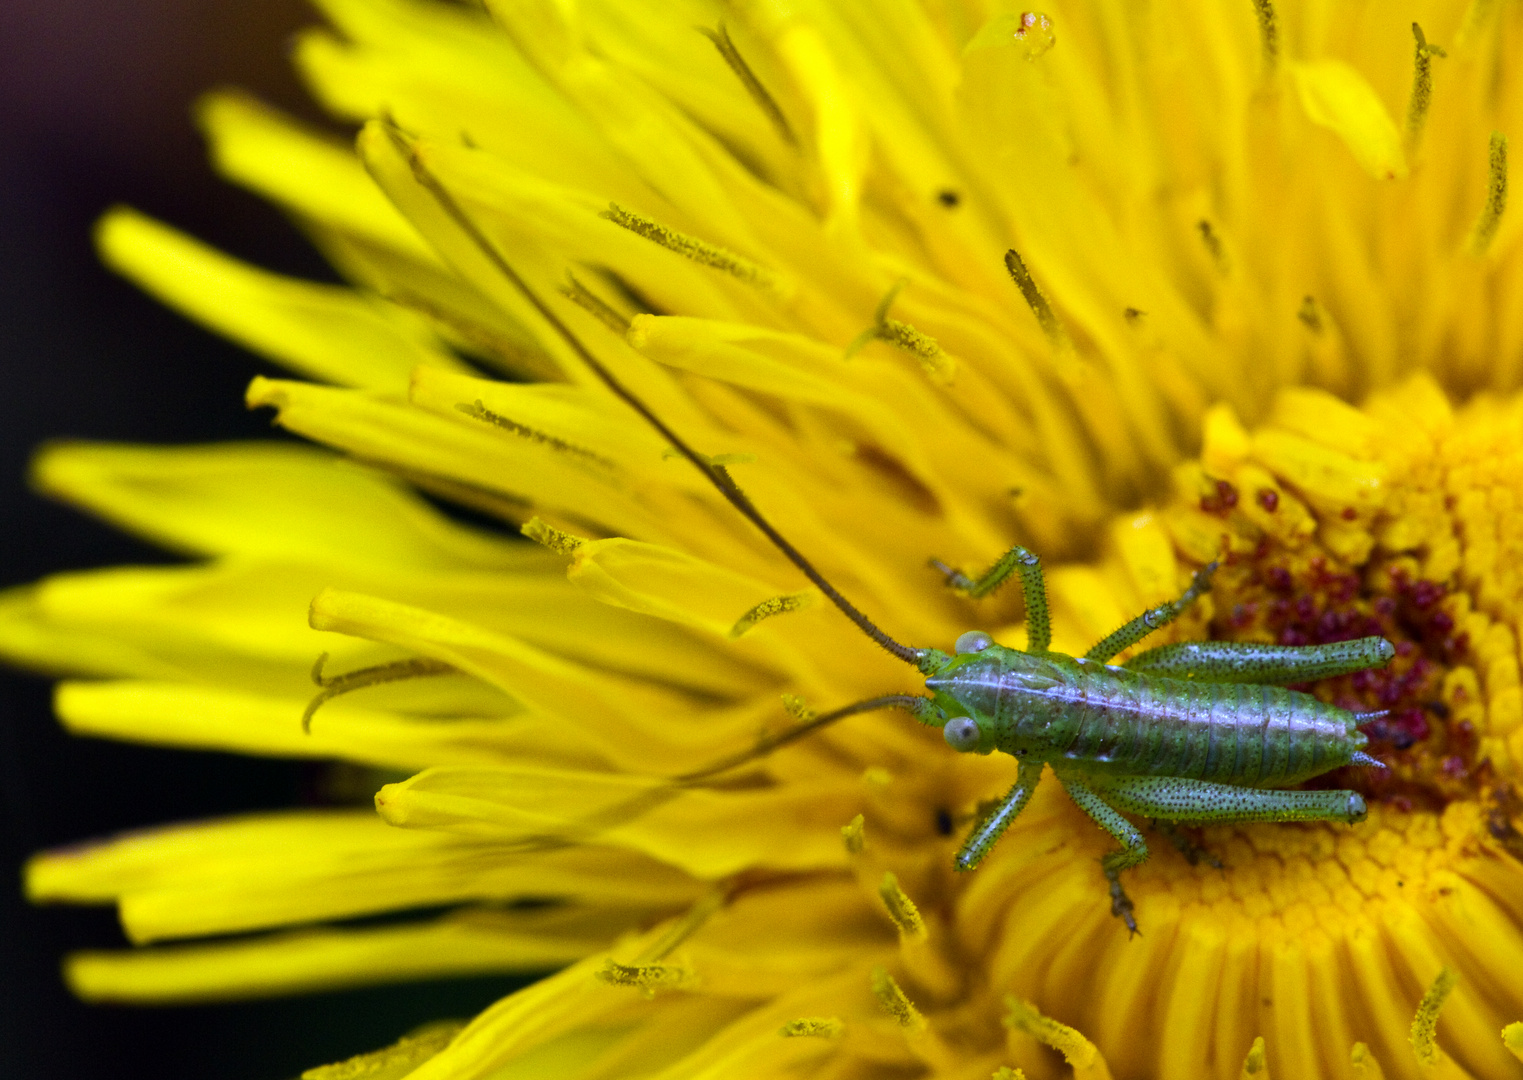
[[915, 280]]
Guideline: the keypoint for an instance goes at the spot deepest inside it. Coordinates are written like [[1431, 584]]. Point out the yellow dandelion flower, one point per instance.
[[922, 280]]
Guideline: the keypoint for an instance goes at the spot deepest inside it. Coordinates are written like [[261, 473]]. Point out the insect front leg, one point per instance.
[[993, 825], [1033, 590], [1204, 803], [1152, 619], [1134, 849], [1272, 665]]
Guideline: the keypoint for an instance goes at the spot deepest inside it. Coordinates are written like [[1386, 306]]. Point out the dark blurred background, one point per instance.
[[94, 99]]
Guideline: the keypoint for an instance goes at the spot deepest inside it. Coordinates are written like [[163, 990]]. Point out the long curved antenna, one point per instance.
[[715, 474], [910, 702]]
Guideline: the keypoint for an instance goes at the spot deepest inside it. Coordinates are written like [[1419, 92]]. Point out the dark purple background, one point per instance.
[[94, 98]]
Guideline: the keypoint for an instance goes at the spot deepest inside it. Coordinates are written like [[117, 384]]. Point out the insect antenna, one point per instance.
[[767, 744], [715, 474]]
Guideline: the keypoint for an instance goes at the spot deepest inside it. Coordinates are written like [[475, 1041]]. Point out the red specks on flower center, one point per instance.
[[1268, 498], [1220, 501], [1299, 598]]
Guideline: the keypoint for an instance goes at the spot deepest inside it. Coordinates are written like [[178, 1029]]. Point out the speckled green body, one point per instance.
[[1095, 718]]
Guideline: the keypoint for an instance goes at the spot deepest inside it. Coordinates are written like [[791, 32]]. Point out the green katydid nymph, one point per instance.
[[1202, 732], [1194, 732]]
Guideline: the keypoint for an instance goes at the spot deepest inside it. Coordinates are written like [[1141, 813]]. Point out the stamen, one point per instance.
[[1005, 1072], [748, 79], [1422, 87], [854, 835], [647, 973], [1045, 316], [1214, 246], [1496, 198], [938, 366], [1363, 1065], [895, 1002], [1269, 34], [777, 605], [691, 247], [478, 411], [1424, 1034], [416, 668], [594, 305], [1078, 1051], [647, 978], [816, 1027], [901, 908], [562, 543], [936, 362], [1256, 1064]]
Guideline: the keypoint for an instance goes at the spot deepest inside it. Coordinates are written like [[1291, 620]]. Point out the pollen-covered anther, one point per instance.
[[895, 1002], [691, 247], [937, 364], [1424, 1034], [541, 532], [1422, 87], [647, 978], [776, 605], [812, 1027], [478, 411], [901, 908], [1496, 197], [1079, 1052]]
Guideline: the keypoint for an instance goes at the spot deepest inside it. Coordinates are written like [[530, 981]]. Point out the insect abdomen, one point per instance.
[[1228, 732]]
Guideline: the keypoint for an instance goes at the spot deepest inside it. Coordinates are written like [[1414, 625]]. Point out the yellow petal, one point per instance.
[[328, 332], [320, 179], [1338, 98], [263, 500], [480, 942], [282, 869], [702, 832], [178, 714]]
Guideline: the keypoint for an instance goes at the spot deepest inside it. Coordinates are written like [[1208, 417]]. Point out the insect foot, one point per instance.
[[1121, 904]]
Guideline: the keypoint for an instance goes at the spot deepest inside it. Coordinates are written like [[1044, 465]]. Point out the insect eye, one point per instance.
[[973, 641], [961, 733]]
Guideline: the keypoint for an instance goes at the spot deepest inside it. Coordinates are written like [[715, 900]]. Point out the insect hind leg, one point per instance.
[[1202, 802], [1134, 848], [1253, 662], [1033, 590], [1152, 619]]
